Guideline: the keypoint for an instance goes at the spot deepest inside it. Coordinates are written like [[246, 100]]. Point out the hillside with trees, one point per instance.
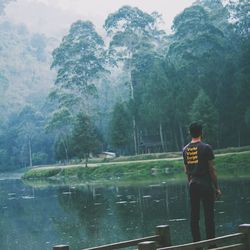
[[132, 92]]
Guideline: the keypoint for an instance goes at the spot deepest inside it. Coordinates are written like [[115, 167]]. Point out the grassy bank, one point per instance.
[[108, 171], [235, 164], [165, 155], [230, 164]]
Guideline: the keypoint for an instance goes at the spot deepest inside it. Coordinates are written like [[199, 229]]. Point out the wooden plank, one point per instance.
[[164, 235], [191, 246], [245, 229], [239, 246], [61, 247], [124, 244], [147, 245]]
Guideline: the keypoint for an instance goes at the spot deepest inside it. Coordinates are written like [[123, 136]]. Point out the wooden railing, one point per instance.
[[162, 241]]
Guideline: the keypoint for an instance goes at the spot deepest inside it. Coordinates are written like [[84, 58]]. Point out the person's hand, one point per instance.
[[217, 193]]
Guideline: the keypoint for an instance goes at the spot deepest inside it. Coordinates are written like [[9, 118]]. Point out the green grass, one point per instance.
[[111, 171], [144, 157], [136, 170], [232, 150], [42, 173], [236, 164], [163, 155]]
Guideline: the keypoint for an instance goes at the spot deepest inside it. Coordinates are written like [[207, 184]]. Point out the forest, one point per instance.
[[133, 90]]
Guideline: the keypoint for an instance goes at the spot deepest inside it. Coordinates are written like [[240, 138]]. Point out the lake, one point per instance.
[[85, 216]]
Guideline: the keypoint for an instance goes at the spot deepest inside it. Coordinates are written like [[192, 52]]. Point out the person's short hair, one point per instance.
[[195, 129]]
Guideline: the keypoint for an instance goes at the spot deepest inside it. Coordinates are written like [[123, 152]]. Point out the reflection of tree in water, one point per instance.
[[85, 213], [233, 207], [97, 216], [116, 214], [127, 211], [139, 209], [25, 217]]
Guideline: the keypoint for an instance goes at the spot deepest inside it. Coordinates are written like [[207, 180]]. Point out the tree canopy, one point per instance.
[[134, 89]]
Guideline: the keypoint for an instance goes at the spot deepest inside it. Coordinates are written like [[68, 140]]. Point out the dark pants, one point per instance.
[[198, 193]]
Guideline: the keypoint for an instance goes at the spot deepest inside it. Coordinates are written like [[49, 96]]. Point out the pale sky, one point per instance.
[[54, 17]]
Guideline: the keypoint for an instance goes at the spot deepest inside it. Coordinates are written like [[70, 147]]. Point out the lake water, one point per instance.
[[85, 216]]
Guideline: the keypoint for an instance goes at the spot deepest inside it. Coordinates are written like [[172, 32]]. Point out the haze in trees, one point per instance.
[[133, 89]]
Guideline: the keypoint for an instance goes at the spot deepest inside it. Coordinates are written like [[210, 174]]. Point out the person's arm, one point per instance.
[[214, 177], [186, 172]]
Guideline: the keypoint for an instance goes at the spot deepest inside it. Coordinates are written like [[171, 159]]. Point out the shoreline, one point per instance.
[[235, 164]]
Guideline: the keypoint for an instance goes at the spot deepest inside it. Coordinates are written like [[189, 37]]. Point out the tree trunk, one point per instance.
[[135, 136], [166, 140], [30, 153], [175, 140], [66, 150], [219, 136], [133, 118], [181, 135], [86, 160], [161, 136], [239, 138]]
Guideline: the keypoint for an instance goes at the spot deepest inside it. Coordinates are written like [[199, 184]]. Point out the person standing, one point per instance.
[[203, 186]]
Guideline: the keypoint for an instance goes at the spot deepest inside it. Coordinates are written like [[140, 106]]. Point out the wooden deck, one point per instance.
[[162, 241]]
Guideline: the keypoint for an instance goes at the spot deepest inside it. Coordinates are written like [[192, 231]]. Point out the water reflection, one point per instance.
[[85, 216]]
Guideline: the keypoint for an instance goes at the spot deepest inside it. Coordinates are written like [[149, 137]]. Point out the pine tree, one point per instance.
[[85, 137], [203, 111]]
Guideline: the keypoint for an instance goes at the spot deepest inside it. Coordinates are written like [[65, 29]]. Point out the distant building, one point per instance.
[[150, 144], [106, 155]]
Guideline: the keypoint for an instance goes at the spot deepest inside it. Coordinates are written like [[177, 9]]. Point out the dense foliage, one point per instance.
[[134, 91]]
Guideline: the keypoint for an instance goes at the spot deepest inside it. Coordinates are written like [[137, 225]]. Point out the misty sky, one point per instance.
[[54, 17]]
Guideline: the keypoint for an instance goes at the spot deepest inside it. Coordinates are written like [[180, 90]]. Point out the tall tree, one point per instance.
[[120, 128], [153, 81], [218, 13], [198, 51], [79, 60], [204, 111], [61, 124], [240, 14], [197, 45], [29, 129], [130, 29], [85, 139]]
